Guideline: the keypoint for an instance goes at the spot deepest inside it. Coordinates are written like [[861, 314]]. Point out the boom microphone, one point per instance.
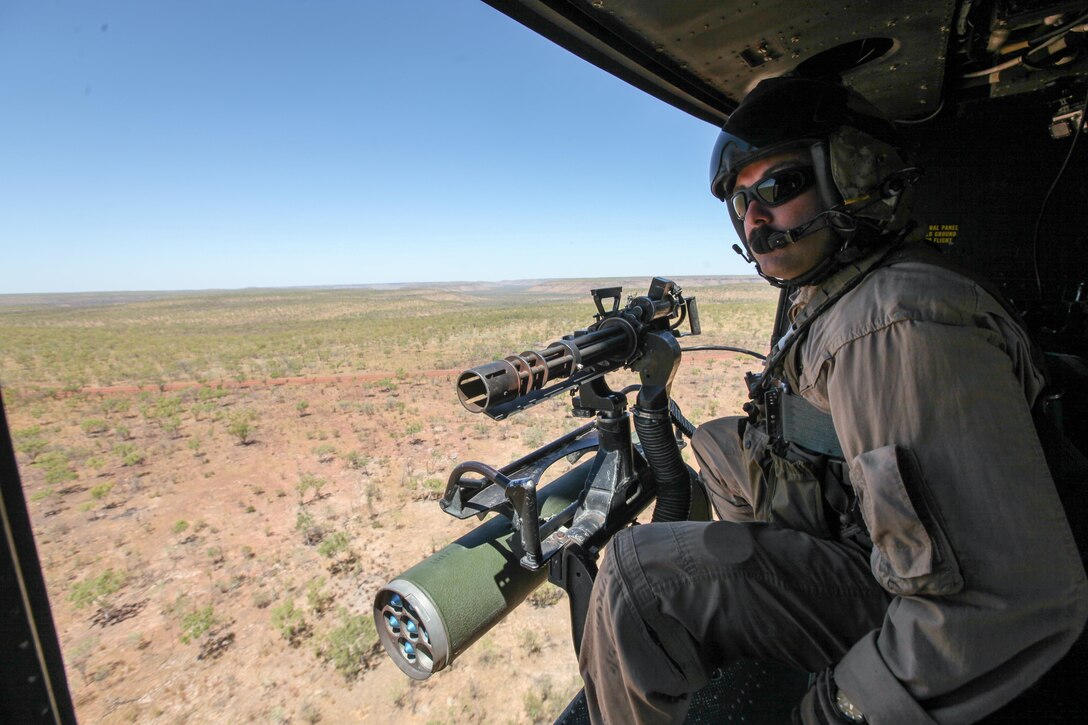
[[767, 243]]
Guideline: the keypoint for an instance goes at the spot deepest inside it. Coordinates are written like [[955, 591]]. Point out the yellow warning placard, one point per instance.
[[942, 233]]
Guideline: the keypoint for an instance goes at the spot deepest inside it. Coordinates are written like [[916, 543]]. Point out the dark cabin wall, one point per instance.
[[987, 172]]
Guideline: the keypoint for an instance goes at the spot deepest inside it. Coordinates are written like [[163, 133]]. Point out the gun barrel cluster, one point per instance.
[[486, 386], [504, 386]]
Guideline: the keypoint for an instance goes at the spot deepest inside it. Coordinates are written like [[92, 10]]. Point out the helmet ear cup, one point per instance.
[[830, 194], [862, 166]]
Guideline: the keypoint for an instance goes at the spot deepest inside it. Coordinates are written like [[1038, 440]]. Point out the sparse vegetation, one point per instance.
[[94, 426], [96, 588], [29, 441], [101, 490], [546, 595], [539, 701], [318, 597], [57, 467], [357, 460], [241, 426], [44, 493], [160, 498], [325, 452], [334, 544], [129, 454], [348, 646], [307, 482], [196, 622], [290, 622]]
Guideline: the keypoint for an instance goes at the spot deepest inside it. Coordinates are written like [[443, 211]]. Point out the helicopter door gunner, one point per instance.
[[913, 553]]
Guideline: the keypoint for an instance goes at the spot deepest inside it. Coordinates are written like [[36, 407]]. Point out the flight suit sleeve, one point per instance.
[[968, 531]]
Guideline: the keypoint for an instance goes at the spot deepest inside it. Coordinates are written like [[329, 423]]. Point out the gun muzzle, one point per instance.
[[485, 387], [435, 610], [516, 382]]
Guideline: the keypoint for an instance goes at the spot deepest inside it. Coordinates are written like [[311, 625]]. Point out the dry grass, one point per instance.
[[199, 574]]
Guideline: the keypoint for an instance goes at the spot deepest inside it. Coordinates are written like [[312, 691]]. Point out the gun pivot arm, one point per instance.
[[512, 492]]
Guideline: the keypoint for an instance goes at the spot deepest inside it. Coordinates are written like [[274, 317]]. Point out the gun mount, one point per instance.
[[439, 607]]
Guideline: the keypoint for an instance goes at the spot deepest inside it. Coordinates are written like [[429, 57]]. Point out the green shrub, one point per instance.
[[307, 481], [196, 622], [101, 490], [317, 597], [43, 494], [32, 432], [241, 430], [94, 588], [333, 544], [357, 460], [134, 458], [241, 425], [348, 646], [129, 454], [325, 452], [433, 488], [171, 425], [113, 405], [206, 394], [289, 622], [94, 426], [166, 407], [539, 700], [31, 447], [180, 526], [56, 467], [546, 595], [303, 520]]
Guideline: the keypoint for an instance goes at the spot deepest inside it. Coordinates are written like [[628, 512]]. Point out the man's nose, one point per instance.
[[756, 214]]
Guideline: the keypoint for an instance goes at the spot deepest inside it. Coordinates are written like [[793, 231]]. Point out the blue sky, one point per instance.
[[194, 144]]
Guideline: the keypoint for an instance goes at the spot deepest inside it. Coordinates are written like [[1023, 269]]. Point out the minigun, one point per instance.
[[617, 339], [436, 609]]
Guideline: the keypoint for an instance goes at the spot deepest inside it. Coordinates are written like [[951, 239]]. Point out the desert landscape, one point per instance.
[[220, 482]]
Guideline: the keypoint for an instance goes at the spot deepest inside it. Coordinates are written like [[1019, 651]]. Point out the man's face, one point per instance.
[[794, 259]]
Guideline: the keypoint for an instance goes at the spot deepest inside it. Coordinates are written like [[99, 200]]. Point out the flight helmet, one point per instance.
[[861, 173]]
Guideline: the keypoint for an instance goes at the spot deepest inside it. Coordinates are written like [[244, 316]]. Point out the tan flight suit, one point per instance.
[[974, 586]]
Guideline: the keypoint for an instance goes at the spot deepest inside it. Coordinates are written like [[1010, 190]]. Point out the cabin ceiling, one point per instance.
[[703, 56]]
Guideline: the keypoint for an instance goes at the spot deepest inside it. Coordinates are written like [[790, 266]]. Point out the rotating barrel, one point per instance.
[[435, 610], [486, 387]]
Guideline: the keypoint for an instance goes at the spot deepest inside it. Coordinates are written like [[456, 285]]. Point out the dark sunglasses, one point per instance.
[[778, 188]]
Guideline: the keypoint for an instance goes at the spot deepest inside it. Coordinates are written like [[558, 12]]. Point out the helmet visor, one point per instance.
[[729, 152]]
